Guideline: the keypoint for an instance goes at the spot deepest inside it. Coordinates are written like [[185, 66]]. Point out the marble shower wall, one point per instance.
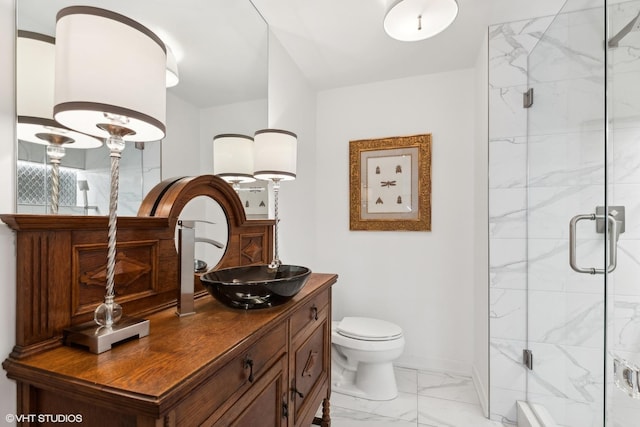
[[537, 183]]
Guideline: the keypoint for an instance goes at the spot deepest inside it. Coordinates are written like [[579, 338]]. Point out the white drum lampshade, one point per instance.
[[35, 76], [275, 154], [109, 70], [233, 158]]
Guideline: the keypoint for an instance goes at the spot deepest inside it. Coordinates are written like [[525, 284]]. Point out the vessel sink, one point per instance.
[[255, 286]]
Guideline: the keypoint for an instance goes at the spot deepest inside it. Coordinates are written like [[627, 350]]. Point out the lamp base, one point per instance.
[[98, 339]]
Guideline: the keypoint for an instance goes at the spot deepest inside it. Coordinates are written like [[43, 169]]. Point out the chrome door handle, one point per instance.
[[613, 243]]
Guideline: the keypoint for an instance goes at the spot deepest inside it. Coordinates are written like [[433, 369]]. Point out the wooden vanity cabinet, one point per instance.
[[218, 367]]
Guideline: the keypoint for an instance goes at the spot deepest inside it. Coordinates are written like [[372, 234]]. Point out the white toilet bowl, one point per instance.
[[362, 354]]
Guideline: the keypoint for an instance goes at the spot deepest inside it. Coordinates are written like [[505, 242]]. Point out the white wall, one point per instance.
[[423, 281], [292, 107], [181, 145], [7, 199]]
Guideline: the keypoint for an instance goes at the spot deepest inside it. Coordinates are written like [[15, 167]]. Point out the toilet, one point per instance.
[[362, 354]]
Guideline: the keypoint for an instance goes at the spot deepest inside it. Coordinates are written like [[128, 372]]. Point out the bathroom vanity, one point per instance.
[[220, 366]]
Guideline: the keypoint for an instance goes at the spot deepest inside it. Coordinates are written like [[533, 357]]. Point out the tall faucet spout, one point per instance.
[[186, 252]]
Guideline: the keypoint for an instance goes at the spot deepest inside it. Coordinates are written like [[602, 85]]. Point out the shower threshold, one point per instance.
[[534, 415]]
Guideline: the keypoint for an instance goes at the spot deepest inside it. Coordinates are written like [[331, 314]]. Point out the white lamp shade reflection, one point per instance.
[[35, 68], [412, 20], [109, 69], [172, 75], [233, 158], [275, 154]]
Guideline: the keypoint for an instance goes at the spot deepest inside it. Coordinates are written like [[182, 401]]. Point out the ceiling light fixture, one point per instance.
[[412, 20]]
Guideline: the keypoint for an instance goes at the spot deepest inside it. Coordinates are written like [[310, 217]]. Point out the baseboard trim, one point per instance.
[[481, 391]]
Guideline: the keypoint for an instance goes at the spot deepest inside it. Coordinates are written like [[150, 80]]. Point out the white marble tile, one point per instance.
[[508, 313], [344, 417], [507, 118], [568, 106], [507, 371], [507, 213], [549, 268], [565, 318], [550, 210], [626, 158], [507, 258], [566, 159], [508, 59], [626, 277], [508, 162], [570, 373], [447, 386], [571, 49], [625, 330], [447, 413], [403, 407]]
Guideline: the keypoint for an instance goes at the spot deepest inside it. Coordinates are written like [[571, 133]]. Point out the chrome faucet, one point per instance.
[[186, 253]]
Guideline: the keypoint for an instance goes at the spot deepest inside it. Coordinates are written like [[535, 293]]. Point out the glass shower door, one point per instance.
[[623, 175], [566, 178]]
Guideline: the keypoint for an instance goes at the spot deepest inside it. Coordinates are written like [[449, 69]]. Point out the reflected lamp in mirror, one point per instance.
[[275, 158], [233, 158], [110, 82], [413, 20], [172, 76], [35, 65]]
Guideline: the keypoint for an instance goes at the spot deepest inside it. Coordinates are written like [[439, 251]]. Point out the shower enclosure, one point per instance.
[[565, 216]]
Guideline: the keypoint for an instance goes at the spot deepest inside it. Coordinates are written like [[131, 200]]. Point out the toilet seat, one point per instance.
[[368, 329]]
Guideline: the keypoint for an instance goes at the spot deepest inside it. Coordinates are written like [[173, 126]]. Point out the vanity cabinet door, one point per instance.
[[264, 404], [309, 360]]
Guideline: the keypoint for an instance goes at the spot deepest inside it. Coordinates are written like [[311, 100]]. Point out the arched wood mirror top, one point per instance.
[[169, 197]]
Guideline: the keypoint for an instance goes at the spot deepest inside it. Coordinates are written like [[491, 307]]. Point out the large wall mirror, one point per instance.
[[220, 47]]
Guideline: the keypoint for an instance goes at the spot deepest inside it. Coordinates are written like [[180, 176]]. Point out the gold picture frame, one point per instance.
[[390, 184]]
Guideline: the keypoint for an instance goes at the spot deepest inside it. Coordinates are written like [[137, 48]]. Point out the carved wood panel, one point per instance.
[[61, 260]]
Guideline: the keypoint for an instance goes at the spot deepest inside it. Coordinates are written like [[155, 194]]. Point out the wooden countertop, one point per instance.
[[156, 371]]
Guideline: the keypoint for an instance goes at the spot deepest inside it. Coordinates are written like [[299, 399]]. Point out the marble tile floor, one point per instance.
[[425, 399]]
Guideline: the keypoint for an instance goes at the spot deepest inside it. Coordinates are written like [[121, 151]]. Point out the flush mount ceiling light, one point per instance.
[[412, 20]]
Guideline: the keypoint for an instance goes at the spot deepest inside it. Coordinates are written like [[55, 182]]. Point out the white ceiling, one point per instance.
[[342, 42], [334, 42]]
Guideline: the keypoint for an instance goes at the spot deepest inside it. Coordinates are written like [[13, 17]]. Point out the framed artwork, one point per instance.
[[390, 184]]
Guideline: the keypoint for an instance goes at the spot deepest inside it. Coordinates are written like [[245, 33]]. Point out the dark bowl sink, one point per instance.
[[255, 286]]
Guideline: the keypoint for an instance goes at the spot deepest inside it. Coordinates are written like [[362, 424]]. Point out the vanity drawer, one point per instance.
[[309, 314], [231, 381]]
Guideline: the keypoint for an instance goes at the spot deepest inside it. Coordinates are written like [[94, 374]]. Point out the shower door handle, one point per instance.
[[613, 243]]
